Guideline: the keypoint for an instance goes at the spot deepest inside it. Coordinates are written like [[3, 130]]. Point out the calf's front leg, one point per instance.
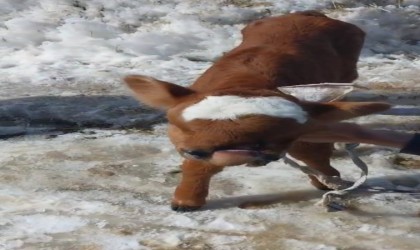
[[191, 193]]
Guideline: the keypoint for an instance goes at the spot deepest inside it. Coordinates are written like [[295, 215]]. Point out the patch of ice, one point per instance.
[[375, 229], [45, 224], [112, 242], [180, 220], [171, 239], [238, 222], [303, 245]]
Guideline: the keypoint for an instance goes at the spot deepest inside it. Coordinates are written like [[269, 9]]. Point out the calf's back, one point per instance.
[[300, 48]]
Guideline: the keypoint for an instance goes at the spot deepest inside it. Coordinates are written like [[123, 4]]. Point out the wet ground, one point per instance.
[[98, 180]]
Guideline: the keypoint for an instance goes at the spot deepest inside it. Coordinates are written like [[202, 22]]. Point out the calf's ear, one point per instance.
[[156, 93], [338, 111]]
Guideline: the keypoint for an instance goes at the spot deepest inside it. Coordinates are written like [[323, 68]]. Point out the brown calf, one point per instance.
[[234, 113]]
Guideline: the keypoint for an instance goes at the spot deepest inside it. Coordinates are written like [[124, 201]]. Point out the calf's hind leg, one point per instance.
[[317, 156]]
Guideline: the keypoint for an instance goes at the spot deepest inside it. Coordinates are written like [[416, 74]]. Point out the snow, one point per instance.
[[83, 166], [39, 223]]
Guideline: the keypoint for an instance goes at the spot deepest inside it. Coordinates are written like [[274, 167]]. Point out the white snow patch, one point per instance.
[[303, 245], [180, 220], [240, 222], [112, 242], [46, 224]]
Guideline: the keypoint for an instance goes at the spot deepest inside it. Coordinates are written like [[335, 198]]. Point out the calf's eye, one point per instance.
[[196, 154]]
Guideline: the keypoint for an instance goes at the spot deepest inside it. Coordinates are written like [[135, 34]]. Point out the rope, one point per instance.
[[333, 200]]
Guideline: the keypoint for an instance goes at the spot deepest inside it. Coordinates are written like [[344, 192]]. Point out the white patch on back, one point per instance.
[[229, 107]]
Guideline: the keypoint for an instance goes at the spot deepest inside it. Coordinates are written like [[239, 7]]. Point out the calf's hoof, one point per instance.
[[318, 185], [180, 205], [184, 208]]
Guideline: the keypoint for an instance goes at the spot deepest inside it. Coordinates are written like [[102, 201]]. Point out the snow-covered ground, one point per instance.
[[81, 168]]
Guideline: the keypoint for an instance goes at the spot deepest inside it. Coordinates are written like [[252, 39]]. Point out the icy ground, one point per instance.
[[83, 166]]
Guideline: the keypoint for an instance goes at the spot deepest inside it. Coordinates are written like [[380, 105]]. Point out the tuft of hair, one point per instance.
[[229, 107]]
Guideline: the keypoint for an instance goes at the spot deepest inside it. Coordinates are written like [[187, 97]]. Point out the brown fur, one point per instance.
[[300, 48]]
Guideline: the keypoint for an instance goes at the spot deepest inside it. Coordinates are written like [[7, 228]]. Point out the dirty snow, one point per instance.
[[83, 166]]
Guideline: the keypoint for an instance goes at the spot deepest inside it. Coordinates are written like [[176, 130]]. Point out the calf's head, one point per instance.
[[237, 126]]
